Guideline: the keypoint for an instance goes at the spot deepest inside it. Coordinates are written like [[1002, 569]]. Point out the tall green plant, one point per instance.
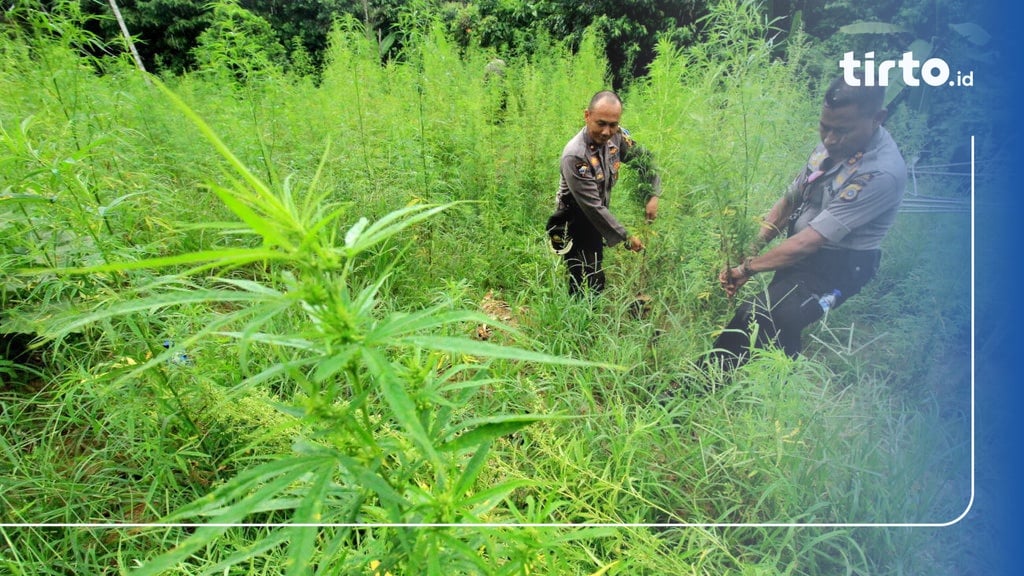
[[387, 433], [741, 52], [238, 44]]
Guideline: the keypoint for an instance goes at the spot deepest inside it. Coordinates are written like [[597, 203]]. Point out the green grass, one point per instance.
[[322, 252]]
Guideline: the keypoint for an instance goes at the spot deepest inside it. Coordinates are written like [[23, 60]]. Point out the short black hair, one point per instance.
[[602, 95], [869, 100]]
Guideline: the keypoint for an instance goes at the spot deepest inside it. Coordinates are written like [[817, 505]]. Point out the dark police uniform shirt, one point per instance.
[[589, 171], [853, 203]]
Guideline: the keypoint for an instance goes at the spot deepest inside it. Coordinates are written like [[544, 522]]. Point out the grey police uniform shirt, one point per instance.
[[854, 203], [588, 173]]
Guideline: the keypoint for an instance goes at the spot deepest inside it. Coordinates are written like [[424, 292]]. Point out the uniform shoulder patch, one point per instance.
[[854, 186], [627, 137], [817, 157], [582, 168]]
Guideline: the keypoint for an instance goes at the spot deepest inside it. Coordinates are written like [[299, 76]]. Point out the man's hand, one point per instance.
[[634, 244], [731, 280], [651, 208]]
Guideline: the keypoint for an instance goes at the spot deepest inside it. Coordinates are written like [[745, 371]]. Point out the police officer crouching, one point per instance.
[[835, 213], [589, 168]]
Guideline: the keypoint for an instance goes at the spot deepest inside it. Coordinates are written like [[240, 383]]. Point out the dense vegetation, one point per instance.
[[244, 295], [297, 31]]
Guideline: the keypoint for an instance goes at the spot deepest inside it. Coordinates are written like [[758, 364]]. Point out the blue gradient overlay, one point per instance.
[[993, 528]]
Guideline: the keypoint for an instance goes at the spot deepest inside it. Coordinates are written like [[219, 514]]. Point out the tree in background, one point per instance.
[[631, 28], [238, 43], [167, 30]]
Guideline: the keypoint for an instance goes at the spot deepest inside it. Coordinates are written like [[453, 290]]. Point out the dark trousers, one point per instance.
[[584, 260], [777, 317], [790, 303]]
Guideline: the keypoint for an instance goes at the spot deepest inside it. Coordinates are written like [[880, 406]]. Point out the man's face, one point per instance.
[[603, 120], [846, 130]]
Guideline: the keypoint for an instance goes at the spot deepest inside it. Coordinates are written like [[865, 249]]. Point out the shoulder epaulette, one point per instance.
[[626, 135]]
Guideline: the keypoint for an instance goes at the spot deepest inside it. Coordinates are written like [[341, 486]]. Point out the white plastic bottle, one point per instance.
[[829, 300]]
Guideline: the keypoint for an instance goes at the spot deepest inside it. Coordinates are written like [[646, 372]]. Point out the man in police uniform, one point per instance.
[[836, 213], [582, 224]]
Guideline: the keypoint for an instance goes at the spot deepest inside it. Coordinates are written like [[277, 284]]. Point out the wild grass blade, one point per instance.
[[390, 225], [484, 501], [258, 223], [251, 489], [473, 468], [469, 347], [310, 511], [213, 258], [484, 430], [399, 324], [275, 539], [254, 182], [62, 325]]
